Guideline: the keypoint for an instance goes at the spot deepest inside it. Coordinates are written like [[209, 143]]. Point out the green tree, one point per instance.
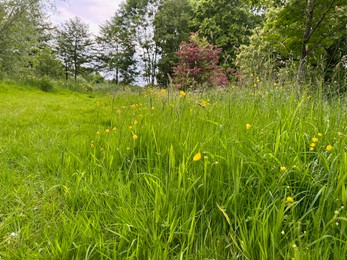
[[117, 53], [171, 27], [226, 24], [303, 32], [139, 16], [74, 42], [20, 32], [46, 64]]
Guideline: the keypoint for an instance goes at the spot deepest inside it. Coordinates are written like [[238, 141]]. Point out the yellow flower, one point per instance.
[[314, 139], [135, 137], [136, 122], [98, 133], [339, 133], [182, 93], [252, 75], [329, 147], [320, 134], [311, 148], [197, 157], [107, 131], [289, 200], [283, 168], [114, 128], [131, 127], [163, 91], [134, 106], [312, 144], [248, 126]]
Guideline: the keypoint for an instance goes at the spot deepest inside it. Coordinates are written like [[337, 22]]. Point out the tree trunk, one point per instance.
[[306, 37]]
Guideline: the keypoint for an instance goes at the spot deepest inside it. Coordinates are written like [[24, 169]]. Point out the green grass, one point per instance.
[[76, 184]]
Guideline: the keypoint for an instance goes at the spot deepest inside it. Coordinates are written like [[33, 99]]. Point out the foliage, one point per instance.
[[171, 27], [302, 33], [197, 65], [226, 24], [117, 54], [73, 42], [46, 64], [19, 31]]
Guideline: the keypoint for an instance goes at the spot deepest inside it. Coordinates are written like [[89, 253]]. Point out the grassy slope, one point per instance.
[[76, 184]]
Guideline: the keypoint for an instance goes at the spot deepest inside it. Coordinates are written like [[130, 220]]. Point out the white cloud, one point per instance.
[[92, 12]]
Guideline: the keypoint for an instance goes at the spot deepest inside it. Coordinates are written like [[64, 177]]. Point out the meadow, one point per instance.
[[158, 174]]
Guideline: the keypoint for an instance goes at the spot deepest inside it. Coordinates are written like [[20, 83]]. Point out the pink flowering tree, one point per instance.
[[198, 65]]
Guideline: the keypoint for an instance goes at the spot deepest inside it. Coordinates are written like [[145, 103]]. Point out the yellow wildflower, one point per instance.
[[182, 93], [163, 91], [289, 200], [135, 137], [329, 147], [197, 157], [114, 128], [314, 139], [339, 133], [283, 168], [98, 133], [136, 122], [312, 144], [248, 126], [131, 127], [107, 131], [320, 134]]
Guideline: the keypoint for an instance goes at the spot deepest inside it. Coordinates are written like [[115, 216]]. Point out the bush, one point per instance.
[[45, 84], [198, 65]]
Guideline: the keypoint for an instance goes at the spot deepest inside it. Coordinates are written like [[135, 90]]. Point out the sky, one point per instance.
[[91, 12]]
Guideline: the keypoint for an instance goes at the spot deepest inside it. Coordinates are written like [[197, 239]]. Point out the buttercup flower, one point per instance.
[[182, 93], [248, 126], [314, 139], [329, 147], [283, 168], [289, 200], [135, 137], [197, 157]]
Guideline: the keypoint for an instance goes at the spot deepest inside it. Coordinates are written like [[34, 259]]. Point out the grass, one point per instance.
[[91, 176]]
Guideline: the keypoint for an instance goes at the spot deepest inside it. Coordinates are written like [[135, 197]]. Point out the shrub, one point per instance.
[[198, 65]]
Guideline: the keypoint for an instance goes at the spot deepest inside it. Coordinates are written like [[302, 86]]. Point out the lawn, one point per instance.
[[152, 174]]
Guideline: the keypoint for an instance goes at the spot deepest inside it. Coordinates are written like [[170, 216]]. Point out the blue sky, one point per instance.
[[92, 12]]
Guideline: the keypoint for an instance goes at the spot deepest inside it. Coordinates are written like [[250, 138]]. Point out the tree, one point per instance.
[[46, 64], [299, 31], [139, 16], [117, 49], [171, 27], [73, 46], [197, 65], [20, 32], [226, 24]]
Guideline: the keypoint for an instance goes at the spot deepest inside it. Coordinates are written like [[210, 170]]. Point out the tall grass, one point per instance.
[[114, 177]]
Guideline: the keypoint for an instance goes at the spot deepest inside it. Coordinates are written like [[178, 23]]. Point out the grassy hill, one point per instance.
[[158, 175]]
